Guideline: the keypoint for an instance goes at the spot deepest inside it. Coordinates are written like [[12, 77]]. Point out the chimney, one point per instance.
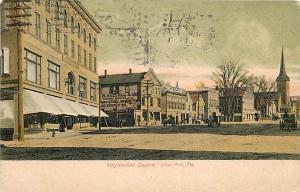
[[130, 70], [105, 73]]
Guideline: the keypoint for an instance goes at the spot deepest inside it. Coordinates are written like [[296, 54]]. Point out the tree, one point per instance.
[[231, 80]]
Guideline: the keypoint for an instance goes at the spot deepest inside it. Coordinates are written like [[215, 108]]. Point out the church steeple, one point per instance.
[[282, 75]]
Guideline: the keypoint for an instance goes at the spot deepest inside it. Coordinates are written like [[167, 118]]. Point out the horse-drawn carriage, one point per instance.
[[288, 122]]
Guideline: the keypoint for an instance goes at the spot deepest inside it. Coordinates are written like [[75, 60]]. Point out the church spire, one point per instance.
[[282, 74]]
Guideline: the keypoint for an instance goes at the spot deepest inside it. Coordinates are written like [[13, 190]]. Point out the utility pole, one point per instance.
[[99, 118], [198, 108], [148, 82], [19, 14], [116, 100]]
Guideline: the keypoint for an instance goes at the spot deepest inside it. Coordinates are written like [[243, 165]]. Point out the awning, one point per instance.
[[35, 102], [63, 105], [94, 111]]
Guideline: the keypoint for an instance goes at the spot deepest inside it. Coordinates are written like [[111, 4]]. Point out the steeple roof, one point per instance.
[[282, 74]]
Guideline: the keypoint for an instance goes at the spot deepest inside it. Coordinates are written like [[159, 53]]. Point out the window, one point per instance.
[[90, 61], [127, 89], [37, 25], [90, 40], [72, 49], [33, 67], [53, 76], [84, 58], [151, 101], [82, 87], [57, 38], [71, 84], [158, 102], [111, 90], [95, 64], [79, 30], [57, 14], [65, 44], [95, 44], [72, 25], [48, 5], [79, 54], [48, 32], [84, 35], [116, 90], [143, 101], [93, 91], [65, 18]]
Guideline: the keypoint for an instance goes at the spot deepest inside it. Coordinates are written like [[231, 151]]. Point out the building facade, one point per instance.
[[210, 97], [130, 98], [195, 107], [59, 59], [174, 105], [268, 104], [237, 104]]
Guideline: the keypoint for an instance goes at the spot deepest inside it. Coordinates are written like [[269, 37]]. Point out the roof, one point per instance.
[[233, 92], [282, 74], [270, 95], [122, 78], [174, 90], [87, 16]]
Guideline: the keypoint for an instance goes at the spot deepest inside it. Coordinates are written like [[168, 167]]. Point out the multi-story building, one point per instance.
[[130, 98], [174, 105], [195, 107], [237, 104], [58, 52], [211, 101]]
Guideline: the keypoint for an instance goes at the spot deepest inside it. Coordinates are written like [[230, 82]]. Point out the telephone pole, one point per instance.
[[148, 82], [19, 14]]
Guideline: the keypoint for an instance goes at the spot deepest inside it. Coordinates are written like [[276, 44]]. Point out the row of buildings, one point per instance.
[[128, 98], [132, 97]]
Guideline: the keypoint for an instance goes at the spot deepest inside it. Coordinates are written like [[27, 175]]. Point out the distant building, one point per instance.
[[210, 97], [237, 104], [128, 97], [195, 107], [295, 106], [267, 103], [174, 104], [283, 87]]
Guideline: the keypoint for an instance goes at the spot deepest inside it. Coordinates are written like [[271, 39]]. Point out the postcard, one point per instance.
[[157, 93]]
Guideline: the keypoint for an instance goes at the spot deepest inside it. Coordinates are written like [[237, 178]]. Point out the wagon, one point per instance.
[[288, 124]]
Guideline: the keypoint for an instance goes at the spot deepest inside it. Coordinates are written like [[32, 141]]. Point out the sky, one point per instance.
[[186, 39]]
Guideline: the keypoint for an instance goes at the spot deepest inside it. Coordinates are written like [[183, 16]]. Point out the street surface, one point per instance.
[[230, 141]]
